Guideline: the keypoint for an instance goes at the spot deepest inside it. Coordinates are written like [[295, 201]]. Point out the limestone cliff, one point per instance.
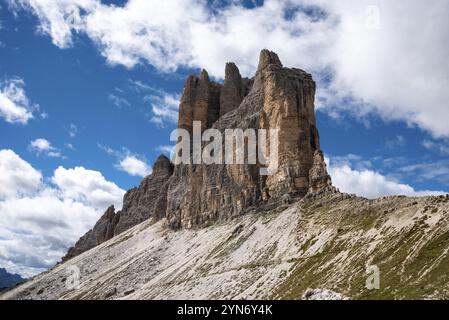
[[276, 98], [197, 195]]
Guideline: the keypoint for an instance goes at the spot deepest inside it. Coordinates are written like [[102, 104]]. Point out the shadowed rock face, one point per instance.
[[190, 195], [234, 89], [278, 98], [148, 201]]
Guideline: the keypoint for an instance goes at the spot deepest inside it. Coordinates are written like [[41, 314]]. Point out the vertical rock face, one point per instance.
[[148, 201], [234, 89], [279, 98], [319, 179], [200, 101], [195, 195], [288, 105]]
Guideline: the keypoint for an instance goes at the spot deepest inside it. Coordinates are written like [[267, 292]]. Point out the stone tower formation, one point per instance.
[[197, 195]]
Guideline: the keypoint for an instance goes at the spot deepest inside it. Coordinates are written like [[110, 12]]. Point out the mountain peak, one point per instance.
[[267, 58]]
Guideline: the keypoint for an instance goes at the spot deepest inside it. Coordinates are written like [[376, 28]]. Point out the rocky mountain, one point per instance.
[[8, 279], [197, 195], [227, 231]]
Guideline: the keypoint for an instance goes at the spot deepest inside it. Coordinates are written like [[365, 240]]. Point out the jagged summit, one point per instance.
[[267, 58], [234, 89], [275, 98], [162, 164], [198, 195]]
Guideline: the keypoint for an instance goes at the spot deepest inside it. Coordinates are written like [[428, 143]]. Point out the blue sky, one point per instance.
[[100, 96]]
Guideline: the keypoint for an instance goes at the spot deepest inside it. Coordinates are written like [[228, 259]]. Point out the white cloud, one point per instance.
[[87, 186], [14, 104], [134, 166], [388, 71], [35, 232], [57, 18], [38, 220], [375, 65], [164, 107], [43, 146], [17, 177], [368, 183]]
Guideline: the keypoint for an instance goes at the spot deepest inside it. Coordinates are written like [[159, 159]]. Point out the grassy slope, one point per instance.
[[407, 238]]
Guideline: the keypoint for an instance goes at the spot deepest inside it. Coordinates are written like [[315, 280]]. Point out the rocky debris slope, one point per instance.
[[197, 195], [146, 202], [326, 241]]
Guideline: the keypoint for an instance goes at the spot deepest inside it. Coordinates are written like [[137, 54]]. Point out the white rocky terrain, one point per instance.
[[323, 242]]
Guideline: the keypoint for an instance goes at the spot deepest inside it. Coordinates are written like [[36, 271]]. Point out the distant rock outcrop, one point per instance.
[[197, 195]]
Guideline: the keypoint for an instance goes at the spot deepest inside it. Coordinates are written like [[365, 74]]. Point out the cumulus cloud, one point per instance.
[[87, 186], [17, 177], [134, 166], [15, 106], [43, 146], [362, 55], [369, 183], [35, 232], [39, 220]]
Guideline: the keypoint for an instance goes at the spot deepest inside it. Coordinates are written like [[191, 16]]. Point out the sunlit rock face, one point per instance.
[[275, 98], [197, 195]]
